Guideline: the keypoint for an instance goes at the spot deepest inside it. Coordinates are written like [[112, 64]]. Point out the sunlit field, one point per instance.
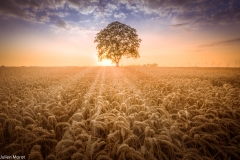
[[131, 113]]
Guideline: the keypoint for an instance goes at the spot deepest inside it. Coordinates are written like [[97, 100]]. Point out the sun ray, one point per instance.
[[106, 62]]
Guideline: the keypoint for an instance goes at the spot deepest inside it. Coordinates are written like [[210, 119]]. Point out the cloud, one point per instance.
[[61, 24], [58, 14], [21, 9], [179, 12], [120, 15], [226, 16], [29, 3], [53, 4], [236, 40], [44, 18], [84, 7], [210, 13], [186, 17], [179, 25], [103, 13], [11, 8], [111, 7]]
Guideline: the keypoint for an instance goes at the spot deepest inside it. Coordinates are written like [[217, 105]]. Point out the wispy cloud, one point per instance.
[[236, 40], [179, 25], [61, 24]]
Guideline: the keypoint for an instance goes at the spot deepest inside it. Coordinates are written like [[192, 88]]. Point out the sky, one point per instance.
[[173, 32]]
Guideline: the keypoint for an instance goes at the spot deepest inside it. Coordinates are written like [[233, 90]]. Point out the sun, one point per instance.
[[105, 62]]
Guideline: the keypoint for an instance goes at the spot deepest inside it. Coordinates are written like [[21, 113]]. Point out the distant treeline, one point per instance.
[[147, 65]]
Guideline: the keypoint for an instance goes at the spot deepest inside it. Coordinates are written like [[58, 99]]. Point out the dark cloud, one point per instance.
[[236, 40], [198, 12], [10, 8], [226, 16], [18, 9], [27, 3], [61, 24], [53, 4], [166, 3], [211, 12], [15, 7], [180, 12], [179, 25]]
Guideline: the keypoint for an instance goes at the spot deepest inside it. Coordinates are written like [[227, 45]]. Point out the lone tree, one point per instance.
[[116, 41]]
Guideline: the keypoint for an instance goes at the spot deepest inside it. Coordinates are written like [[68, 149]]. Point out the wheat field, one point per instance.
[[132, 113]]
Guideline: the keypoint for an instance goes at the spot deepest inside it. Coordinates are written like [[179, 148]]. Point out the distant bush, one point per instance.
[[150, 65], [134, 65]]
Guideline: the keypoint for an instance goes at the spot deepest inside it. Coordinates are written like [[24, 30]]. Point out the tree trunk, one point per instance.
[[117, 64]]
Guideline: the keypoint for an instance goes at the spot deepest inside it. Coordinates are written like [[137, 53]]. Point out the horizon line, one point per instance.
[[3, 66]]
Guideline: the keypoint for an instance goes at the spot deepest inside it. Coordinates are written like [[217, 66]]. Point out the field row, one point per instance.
[[120, 113]]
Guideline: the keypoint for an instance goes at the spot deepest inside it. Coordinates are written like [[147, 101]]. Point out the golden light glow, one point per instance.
[[106, 62], [80, 50]]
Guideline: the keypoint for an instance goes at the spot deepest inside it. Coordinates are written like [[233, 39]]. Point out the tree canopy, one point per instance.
[[116, 41]]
